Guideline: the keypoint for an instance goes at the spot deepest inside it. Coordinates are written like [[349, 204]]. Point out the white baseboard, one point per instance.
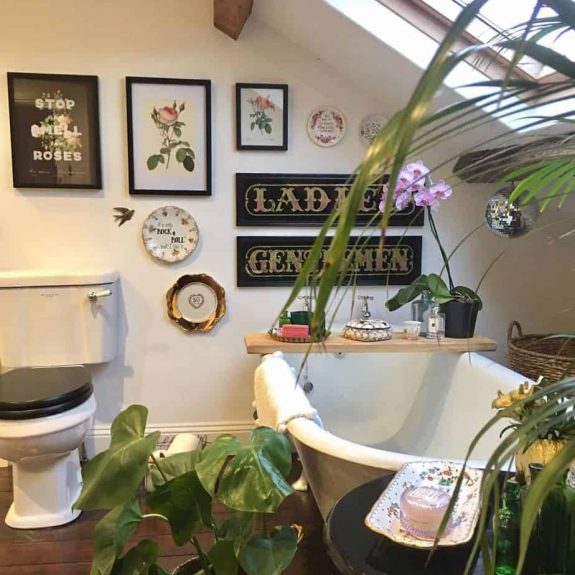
[[98, 439]]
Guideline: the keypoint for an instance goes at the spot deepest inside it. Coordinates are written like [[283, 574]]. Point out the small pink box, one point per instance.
[[295, 330]]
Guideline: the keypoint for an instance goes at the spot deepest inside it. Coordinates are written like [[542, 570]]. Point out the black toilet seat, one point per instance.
[[32, 392]]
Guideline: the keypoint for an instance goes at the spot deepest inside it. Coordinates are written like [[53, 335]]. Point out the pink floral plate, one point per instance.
[[326, 126], [384, 515]]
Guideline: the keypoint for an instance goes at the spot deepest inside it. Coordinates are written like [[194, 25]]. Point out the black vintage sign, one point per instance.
[[276, 261], [306, 200]]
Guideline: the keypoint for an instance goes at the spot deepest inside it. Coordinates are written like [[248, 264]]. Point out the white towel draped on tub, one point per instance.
[[278, 397]]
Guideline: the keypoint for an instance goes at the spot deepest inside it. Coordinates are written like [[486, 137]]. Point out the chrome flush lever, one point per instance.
[[94, 295]]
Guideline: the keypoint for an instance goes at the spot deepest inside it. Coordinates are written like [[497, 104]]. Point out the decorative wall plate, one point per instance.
[[370, 126], [326, 126], [170, 234], [384, 515], [196, 302]]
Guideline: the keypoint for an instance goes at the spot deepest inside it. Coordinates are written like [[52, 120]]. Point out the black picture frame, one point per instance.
[[262, 98], [307, 200], [275, 261], [54, 131], [152, 121]]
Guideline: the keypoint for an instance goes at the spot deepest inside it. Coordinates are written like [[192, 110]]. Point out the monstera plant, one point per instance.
[[246, 479]]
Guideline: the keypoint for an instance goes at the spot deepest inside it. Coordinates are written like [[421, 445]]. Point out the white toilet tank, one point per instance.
[[50, 318]]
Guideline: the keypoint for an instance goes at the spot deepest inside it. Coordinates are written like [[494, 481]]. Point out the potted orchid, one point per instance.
[[459, 303]]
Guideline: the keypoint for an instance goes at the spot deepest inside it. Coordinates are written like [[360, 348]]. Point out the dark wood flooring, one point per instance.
[[67, 550]]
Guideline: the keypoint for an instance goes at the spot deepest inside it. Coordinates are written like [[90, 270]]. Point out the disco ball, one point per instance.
[[507, 219]]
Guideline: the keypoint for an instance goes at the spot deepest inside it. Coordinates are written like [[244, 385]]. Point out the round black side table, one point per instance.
[[356, 550]]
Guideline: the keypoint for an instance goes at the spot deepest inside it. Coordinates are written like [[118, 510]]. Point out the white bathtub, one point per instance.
[[380, 411]]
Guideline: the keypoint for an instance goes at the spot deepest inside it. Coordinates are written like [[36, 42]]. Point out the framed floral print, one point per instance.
[[261, 116], [169, 136], [55, 131]]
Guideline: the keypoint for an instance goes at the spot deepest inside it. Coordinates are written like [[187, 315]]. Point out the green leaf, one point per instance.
[[268, 128], [182, 154], [212, 460], [139, 560], [177, 132], [269, 555], [251, 482], [113, 476], [237, 528], [275, 446], [185, 503], [223, 558], [252, 125], [174, 465], [111, 533], [161, 159], [182, 106], [468, 295], [407, 294], [164, 150], [153, 162], [189, 163], [438, 289]]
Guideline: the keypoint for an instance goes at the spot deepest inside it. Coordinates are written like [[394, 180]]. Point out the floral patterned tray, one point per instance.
[[384, 515]]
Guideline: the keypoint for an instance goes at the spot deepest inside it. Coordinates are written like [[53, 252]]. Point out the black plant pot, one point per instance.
[[460, 318], [190, 567]]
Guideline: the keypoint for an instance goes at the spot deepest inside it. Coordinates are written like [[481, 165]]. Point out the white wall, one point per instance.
[[205, 380]]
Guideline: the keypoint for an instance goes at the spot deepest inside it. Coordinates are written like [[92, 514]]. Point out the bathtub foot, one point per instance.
[[300, 484]]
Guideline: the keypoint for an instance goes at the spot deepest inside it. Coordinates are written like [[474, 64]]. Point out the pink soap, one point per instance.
[[295, 330], [422, 509]]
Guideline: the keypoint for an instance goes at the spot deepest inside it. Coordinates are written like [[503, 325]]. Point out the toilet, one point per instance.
[[51, 326]]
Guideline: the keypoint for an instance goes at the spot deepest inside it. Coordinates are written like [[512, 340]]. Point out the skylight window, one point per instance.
[[498, 17]]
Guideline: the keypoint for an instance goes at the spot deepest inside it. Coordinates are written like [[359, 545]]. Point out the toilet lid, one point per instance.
[[31, 392]]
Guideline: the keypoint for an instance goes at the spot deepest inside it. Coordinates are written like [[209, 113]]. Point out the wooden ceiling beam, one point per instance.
[[230, 16]]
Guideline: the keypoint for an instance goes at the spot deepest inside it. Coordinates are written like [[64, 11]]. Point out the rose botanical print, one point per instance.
[[261, 116], [169, 136], [170, 128]]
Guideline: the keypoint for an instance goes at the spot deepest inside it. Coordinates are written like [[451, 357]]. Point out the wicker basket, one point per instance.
[[536, 355]]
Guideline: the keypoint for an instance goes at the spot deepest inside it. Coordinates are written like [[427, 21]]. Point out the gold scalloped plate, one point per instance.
[[196, 302]]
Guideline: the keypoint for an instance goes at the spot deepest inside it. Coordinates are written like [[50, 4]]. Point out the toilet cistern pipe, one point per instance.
[[94, 295]]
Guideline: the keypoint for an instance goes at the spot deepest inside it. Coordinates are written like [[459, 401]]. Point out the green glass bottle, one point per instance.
[[552, 533], [506, 529]]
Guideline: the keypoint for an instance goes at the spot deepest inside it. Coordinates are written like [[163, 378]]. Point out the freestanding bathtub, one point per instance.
[[379, 411]]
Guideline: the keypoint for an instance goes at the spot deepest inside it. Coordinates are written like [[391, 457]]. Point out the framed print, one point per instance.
[[169, 136], [261, 116], [55, 131]]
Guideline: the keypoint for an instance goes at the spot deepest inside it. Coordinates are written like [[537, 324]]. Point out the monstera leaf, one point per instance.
[[269, 555], [111, 478], [173, 466], [185, 503], [111, 534], [141, 560], [213, 458], [254, 479], [223, 558], [238, 528]]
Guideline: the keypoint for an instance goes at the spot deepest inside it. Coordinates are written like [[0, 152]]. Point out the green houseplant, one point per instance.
[[545, 169], [247, 479], [460, 304]]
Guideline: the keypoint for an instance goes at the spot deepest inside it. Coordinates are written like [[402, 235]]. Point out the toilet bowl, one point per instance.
[[45, 413]]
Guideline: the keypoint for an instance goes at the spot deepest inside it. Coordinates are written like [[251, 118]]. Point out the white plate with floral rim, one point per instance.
[[326, 126], [384, 515]]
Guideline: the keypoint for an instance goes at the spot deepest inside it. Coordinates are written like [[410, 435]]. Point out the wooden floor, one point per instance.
[[67, 550]]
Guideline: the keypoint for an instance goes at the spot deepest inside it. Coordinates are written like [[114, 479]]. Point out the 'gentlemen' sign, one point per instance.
[[276, 261], [307, 200]]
